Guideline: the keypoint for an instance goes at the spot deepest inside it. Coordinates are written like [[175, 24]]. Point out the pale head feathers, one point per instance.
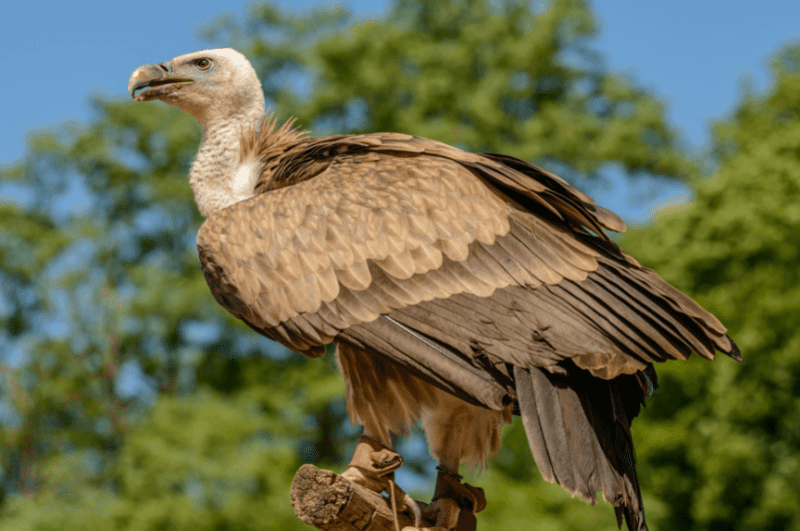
[[211, 85], [223, 92]]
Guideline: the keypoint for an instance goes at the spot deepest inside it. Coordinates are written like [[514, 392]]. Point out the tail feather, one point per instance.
[[578, 427]]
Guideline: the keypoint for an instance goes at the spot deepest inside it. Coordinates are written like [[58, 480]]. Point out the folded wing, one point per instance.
[[483, 275]]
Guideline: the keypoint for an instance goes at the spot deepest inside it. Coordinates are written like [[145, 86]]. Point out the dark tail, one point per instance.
[[578, 428]]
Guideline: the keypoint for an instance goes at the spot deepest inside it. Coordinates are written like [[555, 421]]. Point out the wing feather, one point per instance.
[[483, 275], [392, 224], [355, 276], [397, 292]]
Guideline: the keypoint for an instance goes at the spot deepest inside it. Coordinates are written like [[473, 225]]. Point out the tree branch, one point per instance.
[[330, 502]]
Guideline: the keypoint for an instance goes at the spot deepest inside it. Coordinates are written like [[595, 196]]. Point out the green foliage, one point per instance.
[[720, 443], [203, 462], [486, 76]]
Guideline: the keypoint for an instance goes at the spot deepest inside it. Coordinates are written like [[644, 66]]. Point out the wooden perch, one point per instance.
[[330, 502]]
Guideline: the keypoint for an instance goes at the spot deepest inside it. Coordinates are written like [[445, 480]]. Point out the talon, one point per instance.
[[411, 504], [372, 465], [443, 511], [466, 495], [455, 503]]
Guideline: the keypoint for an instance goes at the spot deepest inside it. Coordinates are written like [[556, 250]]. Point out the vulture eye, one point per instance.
[[204, 63]]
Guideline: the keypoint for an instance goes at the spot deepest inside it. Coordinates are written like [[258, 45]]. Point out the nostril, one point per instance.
[[164, 66]]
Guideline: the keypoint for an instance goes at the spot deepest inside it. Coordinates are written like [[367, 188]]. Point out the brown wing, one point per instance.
[[353, 228], [482, 274], [308, 248]]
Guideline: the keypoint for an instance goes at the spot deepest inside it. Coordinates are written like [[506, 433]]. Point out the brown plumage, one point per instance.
[[459, 287]]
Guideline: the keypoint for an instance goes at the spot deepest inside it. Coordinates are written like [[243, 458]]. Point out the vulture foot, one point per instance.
[[454, 504], [373, 466]]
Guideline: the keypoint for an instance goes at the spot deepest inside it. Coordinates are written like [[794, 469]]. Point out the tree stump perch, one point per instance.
[[330, 502]]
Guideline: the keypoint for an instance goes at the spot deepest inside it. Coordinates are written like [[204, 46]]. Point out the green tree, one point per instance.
[[720, 446], [485, 76], [136, 403]]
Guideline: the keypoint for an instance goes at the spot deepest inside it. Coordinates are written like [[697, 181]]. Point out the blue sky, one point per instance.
[[692, 54]]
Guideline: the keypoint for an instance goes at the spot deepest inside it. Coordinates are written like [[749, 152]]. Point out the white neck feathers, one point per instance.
[[218, 177]]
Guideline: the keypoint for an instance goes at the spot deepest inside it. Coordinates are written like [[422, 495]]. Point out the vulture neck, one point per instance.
[[218, 176]]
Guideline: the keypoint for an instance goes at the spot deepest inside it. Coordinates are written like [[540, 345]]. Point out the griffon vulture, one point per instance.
[[460, 288]]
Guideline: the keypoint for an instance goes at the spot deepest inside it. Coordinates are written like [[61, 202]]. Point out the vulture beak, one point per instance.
[[158, 76]]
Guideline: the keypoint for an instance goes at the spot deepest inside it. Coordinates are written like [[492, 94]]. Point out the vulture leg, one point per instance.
[[373, 464], [458, 431], [373, 467], [385, 397]]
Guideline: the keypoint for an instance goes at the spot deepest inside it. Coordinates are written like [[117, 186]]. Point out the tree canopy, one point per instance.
[[720, 445], [130, 400]]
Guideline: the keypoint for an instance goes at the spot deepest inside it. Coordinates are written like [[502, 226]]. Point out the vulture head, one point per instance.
[[211, 85]]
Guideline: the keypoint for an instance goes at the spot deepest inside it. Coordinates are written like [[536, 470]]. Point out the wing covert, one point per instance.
[[485, 256], [296, 248]]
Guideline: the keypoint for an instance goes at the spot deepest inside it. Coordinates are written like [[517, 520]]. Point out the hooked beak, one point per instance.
[[158, 79]]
